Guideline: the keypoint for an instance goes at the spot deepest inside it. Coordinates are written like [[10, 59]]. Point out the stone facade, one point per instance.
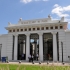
[[39, 26]]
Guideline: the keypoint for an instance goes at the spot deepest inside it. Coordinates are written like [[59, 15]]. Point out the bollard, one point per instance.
[[63, 63], [19, 61], [32, 62], [39, 62], [47, 62], [7, 61]]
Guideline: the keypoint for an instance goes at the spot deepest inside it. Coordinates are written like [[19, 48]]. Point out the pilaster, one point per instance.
[[15, 47]]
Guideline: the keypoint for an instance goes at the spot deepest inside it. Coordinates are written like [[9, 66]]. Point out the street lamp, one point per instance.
[[62, 50]]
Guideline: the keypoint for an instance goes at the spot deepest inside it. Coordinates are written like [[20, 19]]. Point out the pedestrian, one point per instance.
[[29, 58], [32, 58], [23, 56], [37, 56]]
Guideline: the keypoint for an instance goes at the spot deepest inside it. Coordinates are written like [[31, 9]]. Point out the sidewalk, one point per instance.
[[37, 63]]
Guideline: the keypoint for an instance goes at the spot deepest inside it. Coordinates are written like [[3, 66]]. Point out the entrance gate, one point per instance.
[[34, 45], [47, 46], [21, 47]]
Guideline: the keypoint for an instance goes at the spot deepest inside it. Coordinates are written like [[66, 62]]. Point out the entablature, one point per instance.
[[43, 21], [37, 24]]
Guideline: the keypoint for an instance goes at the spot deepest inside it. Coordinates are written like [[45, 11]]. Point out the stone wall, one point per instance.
[[9, 46], [68, 44], [62, 39], [3, 41]]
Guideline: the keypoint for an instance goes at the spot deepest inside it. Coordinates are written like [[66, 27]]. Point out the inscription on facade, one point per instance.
[[39, 21]]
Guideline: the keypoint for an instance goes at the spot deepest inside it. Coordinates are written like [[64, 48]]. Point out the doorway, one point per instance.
[[21, 47], [34, 45], [47, 47]]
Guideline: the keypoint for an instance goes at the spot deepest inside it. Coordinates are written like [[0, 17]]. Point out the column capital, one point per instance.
[[53, 32], [15, 34], [40, 33], [27, 34]]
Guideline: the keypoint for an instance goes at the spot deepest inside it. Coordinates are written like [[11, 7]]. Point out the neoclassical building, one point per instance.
[[44, 37]]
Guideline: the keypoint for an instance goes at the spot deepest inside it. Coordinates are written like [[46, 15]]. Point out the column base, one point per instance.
[[40, 59], [27, 59], [54, 60]]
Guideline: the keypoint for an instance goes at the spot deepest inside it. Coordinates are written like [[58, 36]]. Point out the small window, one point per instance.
[[51, 27], [61, 27], [21, 29], [13, 30], [33, 28], [10, 30], [25, 29], [42, 28], [29, 29], [47, 28], [38, 28], [17, 30], [56, 27]]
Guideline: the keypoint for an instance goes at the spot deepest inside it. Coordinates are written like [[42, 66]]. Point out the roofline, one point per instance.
[[38, 24]]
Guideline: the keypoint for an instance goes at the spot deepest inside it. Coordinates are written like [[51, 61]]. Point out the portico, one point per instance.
[[39, 36], [27, 46]]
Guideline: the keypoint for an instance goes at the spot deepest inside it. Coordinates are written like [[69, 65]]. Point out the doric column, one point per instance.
[[15, 47], [54, 46], [27, 46], [40, 46]]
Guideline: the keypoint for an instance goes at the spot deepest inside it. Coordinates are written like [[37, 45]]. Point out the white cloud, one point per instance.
[[36, 0], [56, 5], [61, 11], [27, 1], [45, 0]]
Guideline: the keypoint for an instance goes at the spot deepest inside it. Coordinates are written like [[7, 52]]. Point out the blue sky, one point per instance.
[[12, 10]]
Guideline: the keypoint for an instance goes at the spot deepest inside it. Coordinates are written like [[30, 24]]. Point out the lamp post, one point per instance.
[[62, 50]]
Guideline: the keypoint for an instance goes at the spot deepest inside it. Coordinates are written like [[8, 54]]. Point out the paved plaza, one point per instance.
[[42, 63]]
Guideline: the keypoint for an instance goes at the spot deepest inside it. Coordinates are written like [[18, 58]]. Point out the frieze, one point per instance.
[[25, 22], [39, 21], [36, 21]]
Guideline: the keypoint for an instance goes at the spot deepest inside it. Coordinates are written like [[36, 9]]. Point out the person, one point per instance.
[[48, 56], [29, 58], [37, 56], [32, 58], [23, 56]]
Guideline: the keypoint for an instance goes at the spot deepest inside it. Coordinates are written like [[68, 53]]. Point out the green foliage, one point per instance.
[[31, 67]]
